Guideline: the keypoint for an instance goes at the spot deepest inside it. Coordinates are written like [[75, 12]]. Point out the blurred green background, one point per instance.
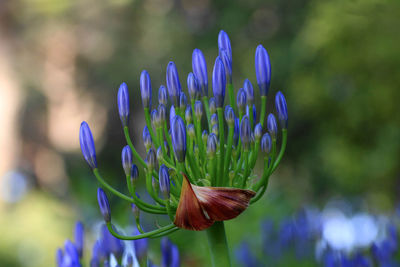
[[61, 62]]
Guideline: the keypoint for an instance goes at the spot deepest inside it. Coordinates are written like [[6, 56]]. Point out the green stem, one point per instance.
[[148, 123], [221, 147], [282, 151], [218, 245], [228, 154], [151, 234], [263, 109], [207, 108]]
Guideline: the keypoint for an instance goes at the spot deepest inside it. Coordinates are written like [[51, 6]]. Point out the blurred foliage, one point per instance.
[[337, 62]]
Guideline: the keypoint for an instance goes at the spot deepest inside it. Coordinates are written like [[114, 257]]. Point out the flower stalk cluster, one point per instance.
[[200, 150]]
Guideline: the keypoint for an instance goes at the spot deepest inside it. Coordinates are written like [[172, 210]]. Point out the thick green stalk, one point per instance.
[[282, 151], [218, 245], [221, 147], [150, 189], [263, 109], [251, 116]]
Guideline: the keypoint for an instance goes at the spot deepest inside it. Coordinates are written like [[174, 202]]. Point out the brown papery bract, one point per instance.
[[200, 206]]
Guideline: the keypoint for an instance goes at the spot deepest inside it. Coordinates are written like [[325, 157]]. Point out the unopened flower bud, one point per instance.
[[134, 173], [178, 132], [281, 109], [212, 105], [258, 132], [214, 119], [145, 89], [229, 115], [263, 70], [162, 95], [241, 100], [162, 113], [173, 83], [212, 144], [204, 136], [164, 181], [245, 132], [193, 87], [123, 104], [271, 125], [188, 114], [146, 138], [219, 82], [87, 145], [151, 159], [266, 143], [104, 205], [215, 129], [127, 159], [248, 88], [182, 100], [191, 131]]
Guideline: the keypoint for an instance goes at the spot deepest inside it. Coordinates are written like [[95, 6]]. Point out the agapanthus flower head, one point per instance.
[[164, 180], [229, 115], [123, 103], [198, 109], [271, 125], [266, 143], [178, 132], [223, 54], [199, 67], [104, 205], [241, 99], [263, 70], [79, 235], [193, 87], [145, 89], [127, 160], [173, 83], [245, 132], [87, 145], [281, 109], [162, 95], [212, 105], [225, 43], [219, 82]]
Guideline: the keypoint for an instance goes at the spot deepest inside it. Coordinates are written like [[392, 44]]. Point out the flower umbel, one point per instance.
[[198, 173]]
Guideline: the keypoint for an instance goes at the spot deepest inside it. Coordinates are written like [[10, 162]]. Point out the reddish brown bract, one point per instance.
[[200, 206]]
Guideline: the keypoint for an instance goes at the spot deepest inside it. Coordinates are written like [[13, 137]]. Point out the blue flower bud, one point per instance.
[[212, 142], [281, 109], [141, 247], [123, 104], [170, 254], [248, 88], [79, 238], [236, 132], [198, 109], [193, 87], [146, 138], [104, 205], [229, 115], [227, 64], [271, 125], [151, 159], [87, 145], [263, 70], [199, 67], [219, 82], [241, 99], [145, 89], [182, 100], [254, 112], [162, 95], [191, 131], [225, 43], [266, 143], [212, 105], [215, 129], [159, 154], [258, 132], [162, 113], [172, 114], [173, 83], [204, 136], [71, 255], [245, 132], [178, 132], [164, 180], [155, 119], [134, 172], [59, 257], [127, 159], [214, 119]]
